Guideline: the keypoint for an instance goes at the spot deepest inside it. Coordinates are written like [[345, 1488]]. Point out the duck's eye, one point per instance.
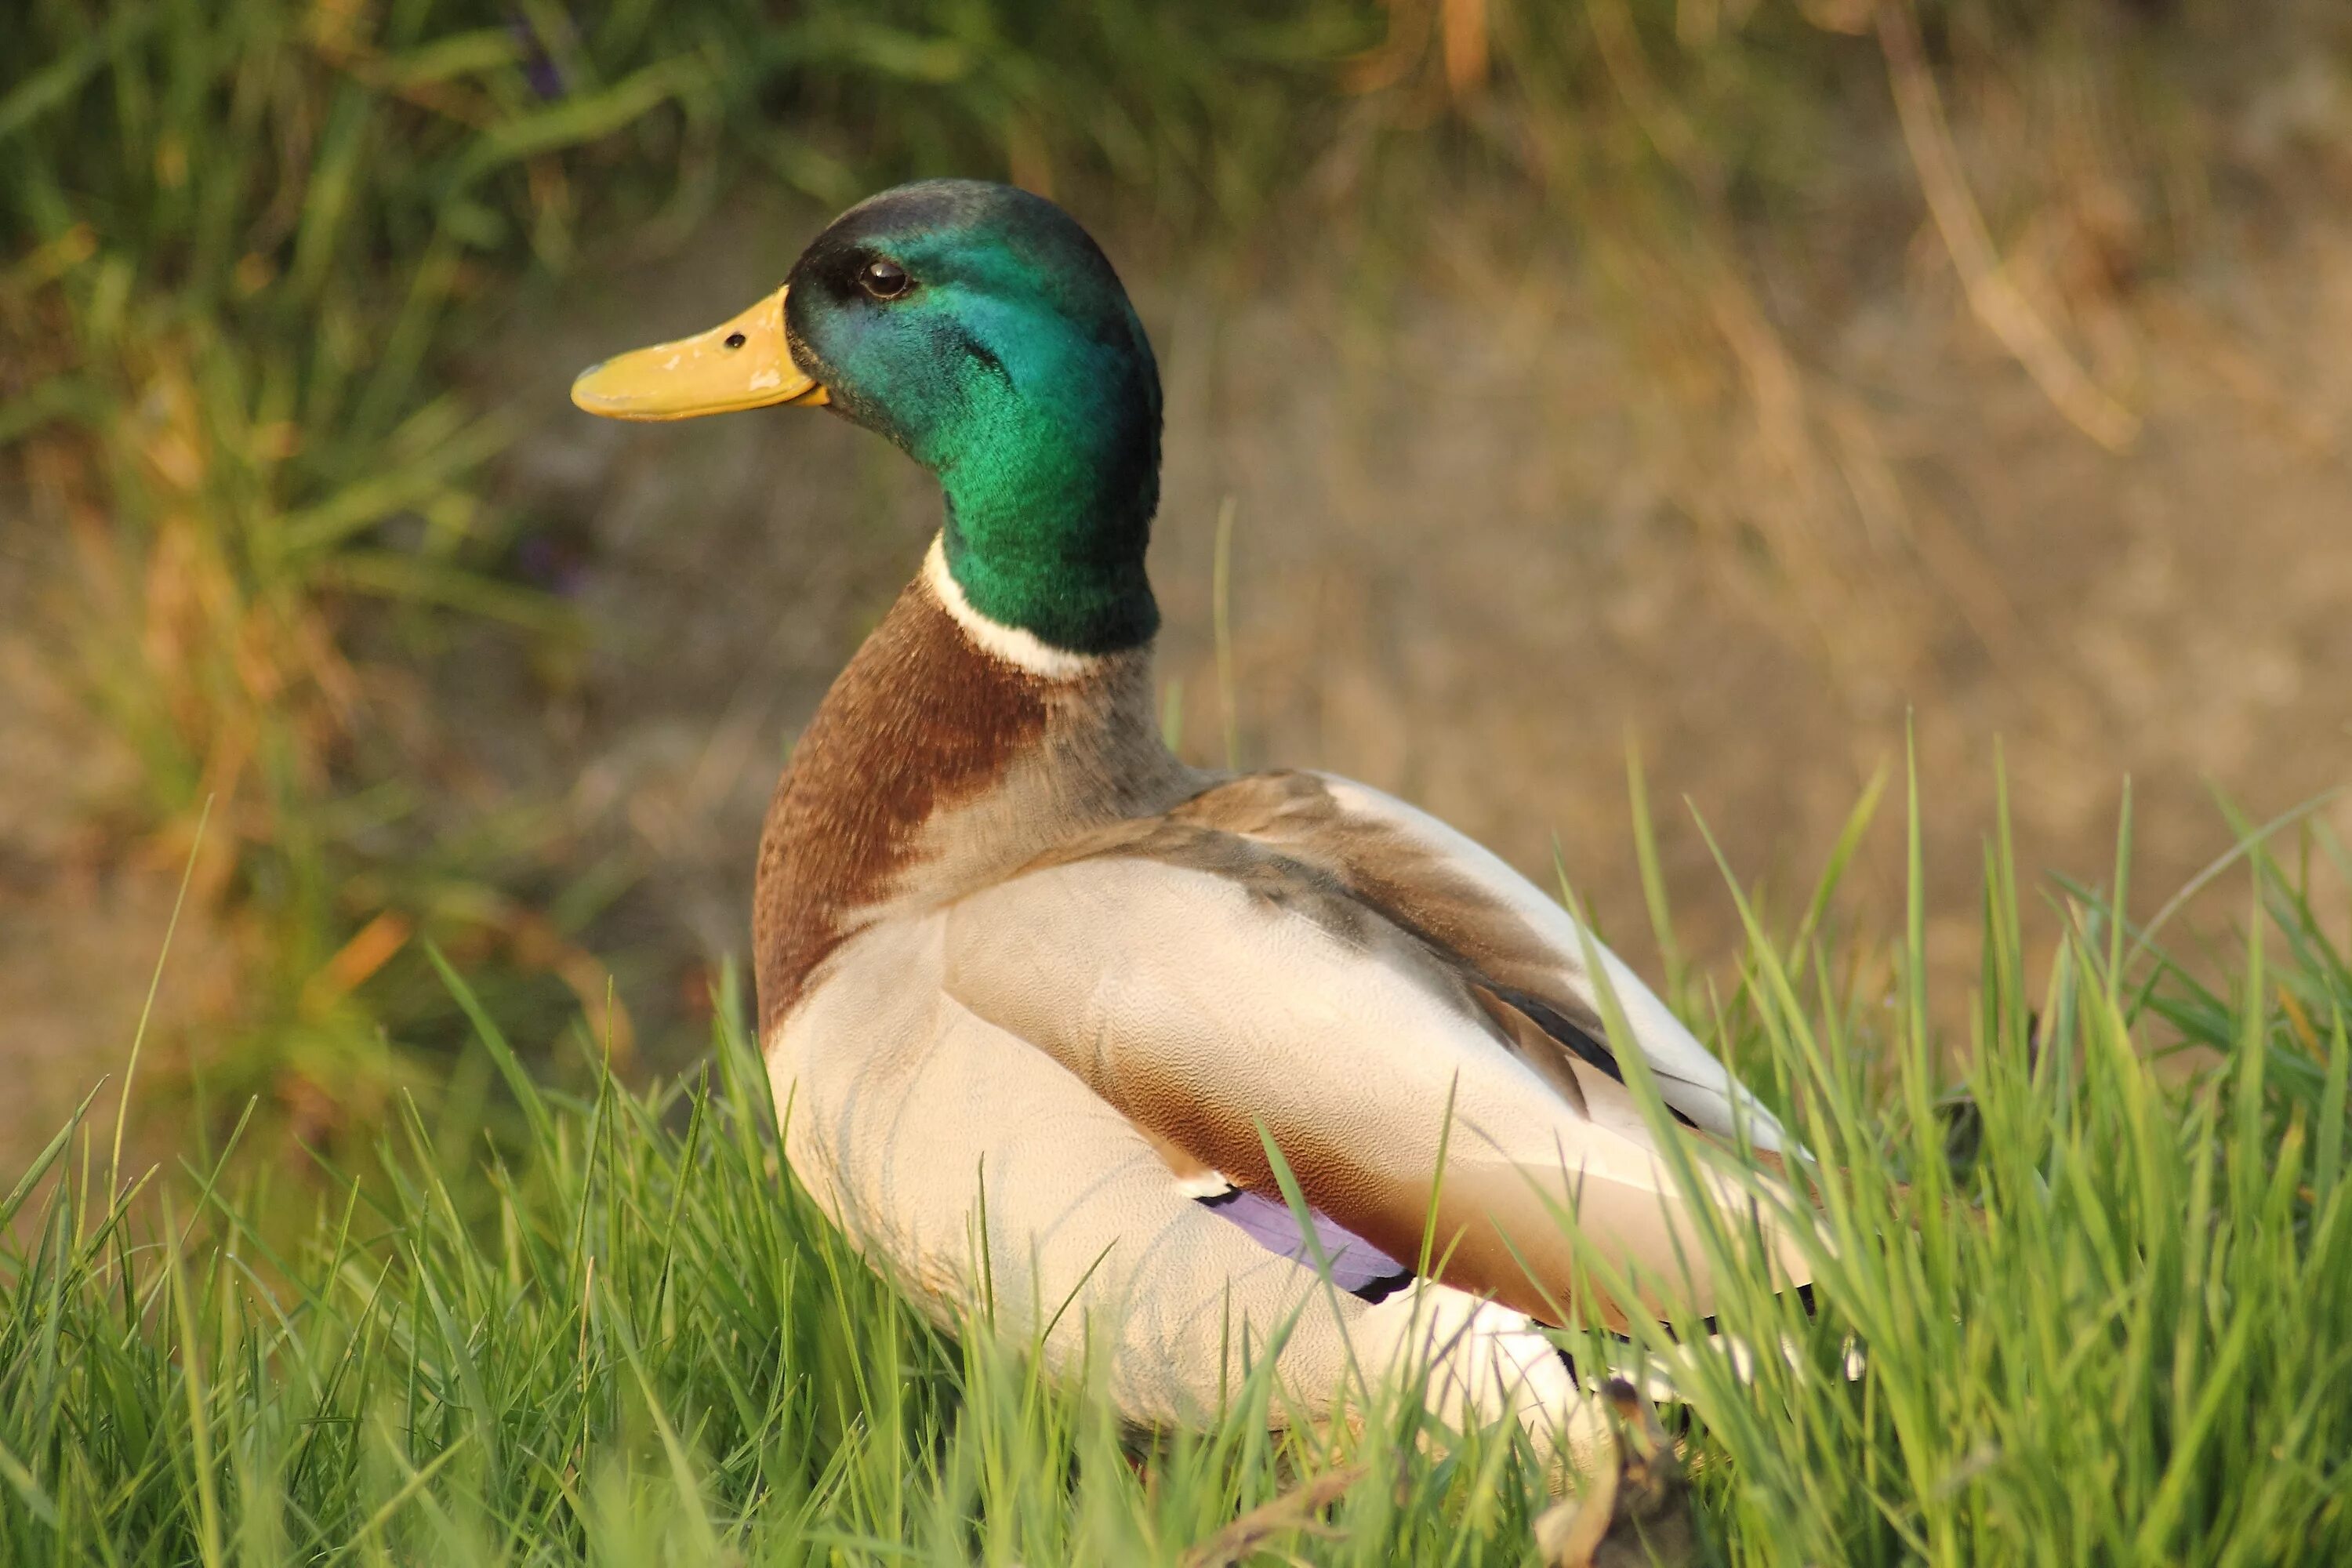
[[884, 279], [734, 340]]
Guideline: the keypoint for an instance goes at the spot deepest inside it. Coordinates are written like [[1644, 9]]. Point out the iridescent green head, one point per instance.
[[979, 328]]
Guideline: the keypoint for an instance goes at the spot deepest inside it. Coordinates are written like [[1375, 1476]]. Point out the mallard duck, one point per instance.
[[1038, 999]]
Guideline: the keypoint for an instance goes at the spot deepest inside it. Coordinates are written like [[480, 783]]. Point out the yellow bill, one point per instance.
[[742, 364]]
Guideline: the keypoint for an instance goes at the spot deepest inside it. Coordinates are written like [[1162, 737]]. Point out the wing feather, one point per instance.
[[1222, 994], [1466, 902]]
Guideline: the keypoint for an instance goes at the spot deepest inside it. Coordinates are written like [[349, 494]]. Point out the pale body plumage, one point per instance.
[[1084, 984], [1036, 996]]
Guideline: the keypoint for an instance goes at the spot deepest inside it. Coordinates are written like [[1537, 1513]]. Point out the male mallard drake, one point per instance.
[[1034, 994]]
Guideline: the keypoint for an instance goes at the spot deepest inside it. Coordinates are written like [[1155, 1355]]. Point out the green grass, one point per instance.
[[2106, 1294]]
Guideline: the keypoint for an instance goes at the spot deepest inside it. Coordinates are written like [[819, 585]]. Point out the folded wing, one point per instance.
[[1464, 900], [1220, 989]]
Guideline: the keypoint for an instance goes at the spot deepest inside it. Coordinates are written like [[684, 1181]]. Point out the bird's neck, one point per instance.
[[1048, 517]]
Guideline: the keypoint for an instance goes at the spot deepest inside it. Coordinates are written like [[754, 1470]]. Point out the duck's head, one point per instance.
[[981, 329]]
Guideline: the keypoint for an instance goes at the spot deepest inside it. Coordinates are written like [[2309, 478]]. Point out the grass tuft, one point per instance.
[[2099, 1286]]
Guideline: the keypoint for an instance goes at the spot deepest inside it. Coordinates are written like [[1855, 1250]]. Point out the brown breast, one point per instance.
[[920, 720], [922, 724]]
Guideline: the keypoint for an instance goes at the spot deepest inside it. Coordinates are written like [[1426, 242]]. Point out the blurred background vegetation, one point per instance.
[[1730, 376]]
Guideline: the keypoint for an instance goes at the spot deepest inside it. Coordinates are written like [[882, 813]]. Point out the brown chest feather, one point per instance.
[[918, 722]]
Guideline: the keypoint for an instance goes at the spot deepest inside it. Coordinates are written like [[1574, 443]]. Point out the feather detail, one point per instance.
[[1355, 1265], [1218, 993]]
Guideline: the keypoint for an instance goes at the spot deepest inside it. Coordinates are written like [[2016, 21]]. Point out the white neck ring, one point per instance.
[[1020, 649]]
